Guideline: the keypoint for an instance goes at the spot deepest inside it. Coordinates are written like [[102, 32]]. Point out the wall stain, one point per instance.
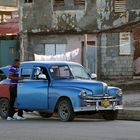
[[66, 22]]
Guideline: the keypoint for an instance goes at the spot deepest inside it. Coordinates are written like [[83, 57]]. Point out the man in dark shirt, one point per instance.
[[14, 77]]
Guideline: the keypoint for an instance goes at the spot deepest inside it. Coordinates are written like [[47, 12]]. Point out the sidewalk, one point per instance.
[[125, 85], [131, 109]]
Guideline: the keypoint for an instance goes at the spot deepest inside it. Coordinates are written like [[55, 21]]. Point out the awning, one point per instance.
[[10, 27]]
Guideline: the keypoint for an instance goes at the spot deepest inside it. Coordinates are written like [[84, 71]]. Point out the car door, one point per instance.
[[32, 93]]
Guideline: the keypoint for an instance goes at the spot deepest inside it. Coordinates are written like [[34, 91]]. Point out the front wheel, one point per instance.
[[4, 107], [65, 110], [109, 114]]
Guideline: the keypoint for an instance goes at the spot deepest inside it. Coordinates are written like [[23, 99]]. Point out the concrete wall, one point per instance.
[[108, 18], [113, 65], [44, 16], [94, 15]]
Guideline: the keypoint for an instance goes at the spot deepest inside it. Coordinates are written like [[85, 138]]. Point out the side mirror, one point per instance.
[[42, 76], [93, 76]]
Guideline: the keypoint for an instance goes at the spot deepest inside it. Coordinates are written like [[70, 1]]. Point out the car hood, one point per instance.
[[96, 87]]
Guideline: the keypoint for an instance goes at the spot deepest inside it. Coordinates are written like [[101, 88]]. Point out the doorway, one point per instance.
[[90, 56]]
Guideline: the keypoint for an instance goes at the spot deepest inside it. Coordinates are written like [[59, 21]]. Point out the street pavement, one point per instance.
[[79, 129]]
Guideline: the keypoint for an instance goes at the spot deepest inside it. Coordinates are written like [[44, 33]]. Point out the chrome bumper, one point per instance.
[[94, 104], [94, 108]]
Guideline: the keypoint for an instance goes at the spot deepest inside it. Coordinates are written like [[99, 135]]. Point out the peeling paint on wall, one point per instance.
[[42, 13], [66, 20], [107, 18], [122, 19]]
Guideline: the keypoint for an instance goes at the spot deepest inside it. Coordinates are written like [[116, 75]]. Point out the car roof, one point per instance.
[[48, 63]]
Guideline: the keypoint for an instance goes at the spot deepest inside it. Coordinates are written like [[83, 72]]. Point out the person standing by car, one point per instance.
[[14, 77]]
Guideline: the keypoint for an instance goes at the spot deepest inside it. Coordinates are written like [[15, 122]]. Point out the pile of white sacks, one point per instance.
[[59, 57]]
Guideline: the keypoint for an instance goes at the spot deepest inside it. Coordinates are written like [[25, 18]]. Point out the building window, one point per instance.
[[58, 2], [28, 1], [54, 49], [125, 43], [120, 6], [11, 50], [79, 2]]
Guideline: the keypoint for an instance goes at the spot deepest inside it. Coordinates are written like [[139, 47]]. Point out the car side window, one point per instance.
[[40, 73], [26, 73]]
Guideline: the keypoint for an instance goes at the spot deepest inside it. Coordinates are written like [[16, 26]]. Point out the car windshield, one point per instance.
[[68, 72], [79, 72]]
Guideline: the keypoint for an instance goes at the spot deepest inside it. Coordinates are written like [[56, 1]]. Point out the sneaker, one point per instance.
[[20, 118], [10, 119]]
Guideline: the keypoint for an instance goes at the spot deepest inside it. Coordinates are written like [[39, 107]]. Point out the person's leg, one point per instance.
[[20, 112], [12, 101], [20, 115]]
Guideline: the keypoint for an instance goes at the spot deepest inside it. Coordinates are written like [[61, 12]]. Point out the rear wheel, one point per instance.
[[65, 110], [45, 114], [109, 114], [4, 107]]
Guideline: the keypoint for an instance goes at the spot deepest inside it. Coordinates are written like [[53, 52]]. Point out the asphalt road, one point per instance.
[[79, 129]]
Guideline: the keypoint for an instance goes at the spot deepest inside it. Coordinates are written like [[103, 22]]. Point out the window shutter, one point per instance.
[[79, 2], [120, 5]]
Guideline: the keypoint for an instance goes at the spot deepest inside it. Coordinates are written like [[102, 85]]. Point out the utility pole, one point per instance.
[[85, 51]]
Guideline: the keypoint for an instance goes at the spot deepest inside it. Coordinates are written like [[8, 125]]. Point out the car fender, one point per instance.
[[55, 94], [113, 91]]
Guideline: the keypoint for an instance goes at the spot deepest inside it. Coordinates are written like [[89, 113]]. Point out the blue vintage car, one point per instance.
[[65, 88]]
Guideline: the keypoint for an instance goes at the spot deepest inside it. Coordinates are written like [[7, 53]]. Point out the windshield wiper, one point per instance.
[[66, 77], [79, 77]]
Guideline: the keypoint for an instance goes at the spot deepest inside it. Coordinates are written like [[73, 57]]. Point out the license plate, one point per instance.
[[105, 103]]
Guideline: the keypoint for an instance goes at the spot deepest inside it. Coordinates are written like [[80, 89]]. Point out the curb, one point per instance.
[[133, 115]]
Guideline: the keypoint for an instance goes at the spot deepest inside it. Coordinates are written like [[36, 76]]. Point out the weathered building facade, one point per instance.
[[50, 27], [117, 23]]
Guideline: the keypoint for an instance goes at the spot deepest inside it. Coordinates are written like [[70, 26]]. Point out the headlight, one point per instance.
[[120, 93], [83, 94]]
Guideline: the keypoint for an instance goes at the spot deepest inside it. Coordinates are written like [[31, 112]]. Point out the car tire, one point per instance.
[[109, 114], [4, 107], [65, 110], [45, 114]]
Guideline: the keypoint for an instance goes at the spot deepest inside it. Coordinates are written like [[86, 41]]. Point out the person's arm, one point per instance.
[[12, 77]]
